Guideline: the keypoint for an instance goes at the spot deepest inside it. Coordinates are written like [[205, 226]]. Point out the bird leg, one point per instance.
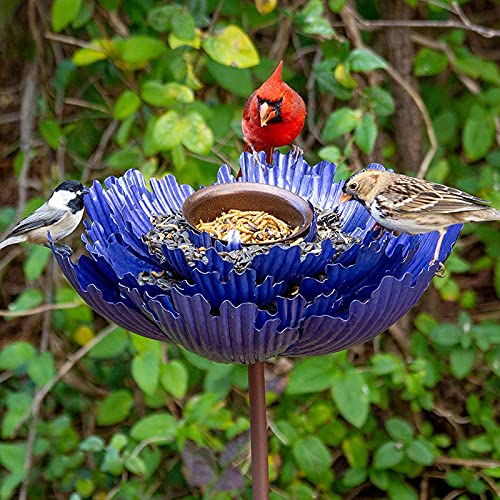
[[255, 155], [380, 229], [435, 258], [296, 152]]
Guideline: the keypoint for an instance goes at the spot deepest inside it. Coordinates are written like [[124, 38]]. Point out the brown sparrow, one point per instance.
[[413, 205]]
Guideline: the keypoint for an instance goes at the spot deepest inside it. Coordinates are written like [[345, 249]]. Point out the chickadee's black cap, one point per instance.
[[71, 185]]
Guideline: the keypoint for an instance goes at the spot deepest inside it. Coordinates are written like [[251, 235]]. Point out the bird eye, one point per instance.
[[353, 185]]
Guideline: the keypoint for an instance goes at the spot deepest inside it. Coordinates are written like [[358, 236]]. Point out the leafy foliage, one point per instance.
[[160, 87]]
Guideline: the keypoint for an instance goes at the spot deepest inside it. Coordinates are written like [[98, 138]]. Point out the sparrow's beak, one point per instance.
[[344, 197], [266, 113]]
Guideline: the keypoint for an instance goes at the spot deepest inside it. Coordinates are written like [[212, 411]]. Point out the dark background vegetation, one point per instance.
[[90, 88]]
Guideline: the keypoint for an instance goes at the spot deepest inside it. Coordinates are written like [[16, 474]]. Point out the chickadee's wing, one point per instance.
[[42, 217]]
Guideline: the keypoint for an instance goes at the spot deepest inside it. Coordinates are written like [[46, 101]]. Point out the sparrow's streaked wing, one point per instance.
[[43, 216], [407, 196]]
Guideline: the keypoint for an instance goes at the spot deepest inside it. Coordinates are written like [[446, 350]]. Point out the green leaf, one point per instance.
[[27, 300], [110, 5], [92, 443], [159, 425], [480, 444], [15, 355], [356, 451], [362, 60], [336, 5], [51, 132], [399, 430], [127, 104], [350, 393], [384, 364], [115, 408], [312, 456], [332, 154], [388, 455], [124, 130], [183, 25], [311, 375], [237, 81], [34, 265], [146, 371], [112, 462], [160, 18], [429, 62], [64, 12], [446, 334], [232, 47], [478, 133], [354, 477], [111, 346], [420, 452], [84, 487], [12, 456], [197, 135], [462, 361], [380, 101], [174, 378], [140, 49], [340, 122], [168, 131], [314, 21], [400, 491], [124, 159], [18, 405], [343, 76], [366, 133], [135, 465], [98, 50], [158, 94], [10, 482], [41, 368]]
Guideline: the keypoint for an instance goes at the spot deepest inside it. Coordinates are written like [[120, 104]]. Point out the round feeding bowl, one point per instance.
[[208, 203]]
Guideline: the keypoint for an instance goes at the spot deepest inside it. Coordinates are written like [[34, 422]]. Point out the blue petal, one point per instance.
[[392, 299], [230, 337], [107, 302], [237, 288]]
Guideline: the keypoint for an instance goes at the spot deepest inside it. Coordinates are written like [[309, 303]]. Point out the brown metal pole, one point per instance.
[[258, 431]]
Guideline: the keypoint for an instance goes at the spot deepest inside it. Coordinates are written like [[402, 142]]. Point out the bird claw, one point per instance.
[[440, 270], [65, 250], [379, 230], [256, 156], [296, 152]]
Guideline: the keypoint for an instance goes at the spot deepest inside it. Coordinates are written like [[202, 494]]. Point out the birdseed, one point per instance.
[[173, 231]]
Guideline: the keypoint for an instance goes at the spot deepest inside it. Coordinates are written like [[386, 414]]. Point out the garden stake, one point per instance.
[[258, 431]]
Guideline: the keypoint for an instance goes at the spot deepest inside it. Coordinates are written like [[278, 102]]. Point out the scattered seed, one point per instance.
[[173, 232]]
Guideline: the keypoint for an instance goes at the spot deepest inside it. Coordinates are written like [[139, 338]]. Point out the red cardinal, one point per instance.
[[273, 116]]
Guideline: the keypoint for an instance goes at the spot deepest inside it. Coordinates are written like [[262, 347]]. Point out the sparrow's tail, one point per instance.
[[12, 241], [483, 215]]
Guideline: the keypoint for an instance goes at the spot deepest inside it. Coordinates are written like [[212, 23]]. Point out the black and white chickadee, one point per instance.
[[59, 216]]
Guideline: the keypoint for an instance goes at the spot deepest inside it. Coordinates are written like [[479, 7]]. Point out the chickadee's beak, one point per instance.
[[266, 113], [344, 197], [85, 191]]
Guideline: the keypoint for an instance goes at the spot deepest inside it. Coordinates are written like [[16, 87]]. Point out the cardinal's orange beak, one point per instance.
[[266, 113], [344, 197]]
